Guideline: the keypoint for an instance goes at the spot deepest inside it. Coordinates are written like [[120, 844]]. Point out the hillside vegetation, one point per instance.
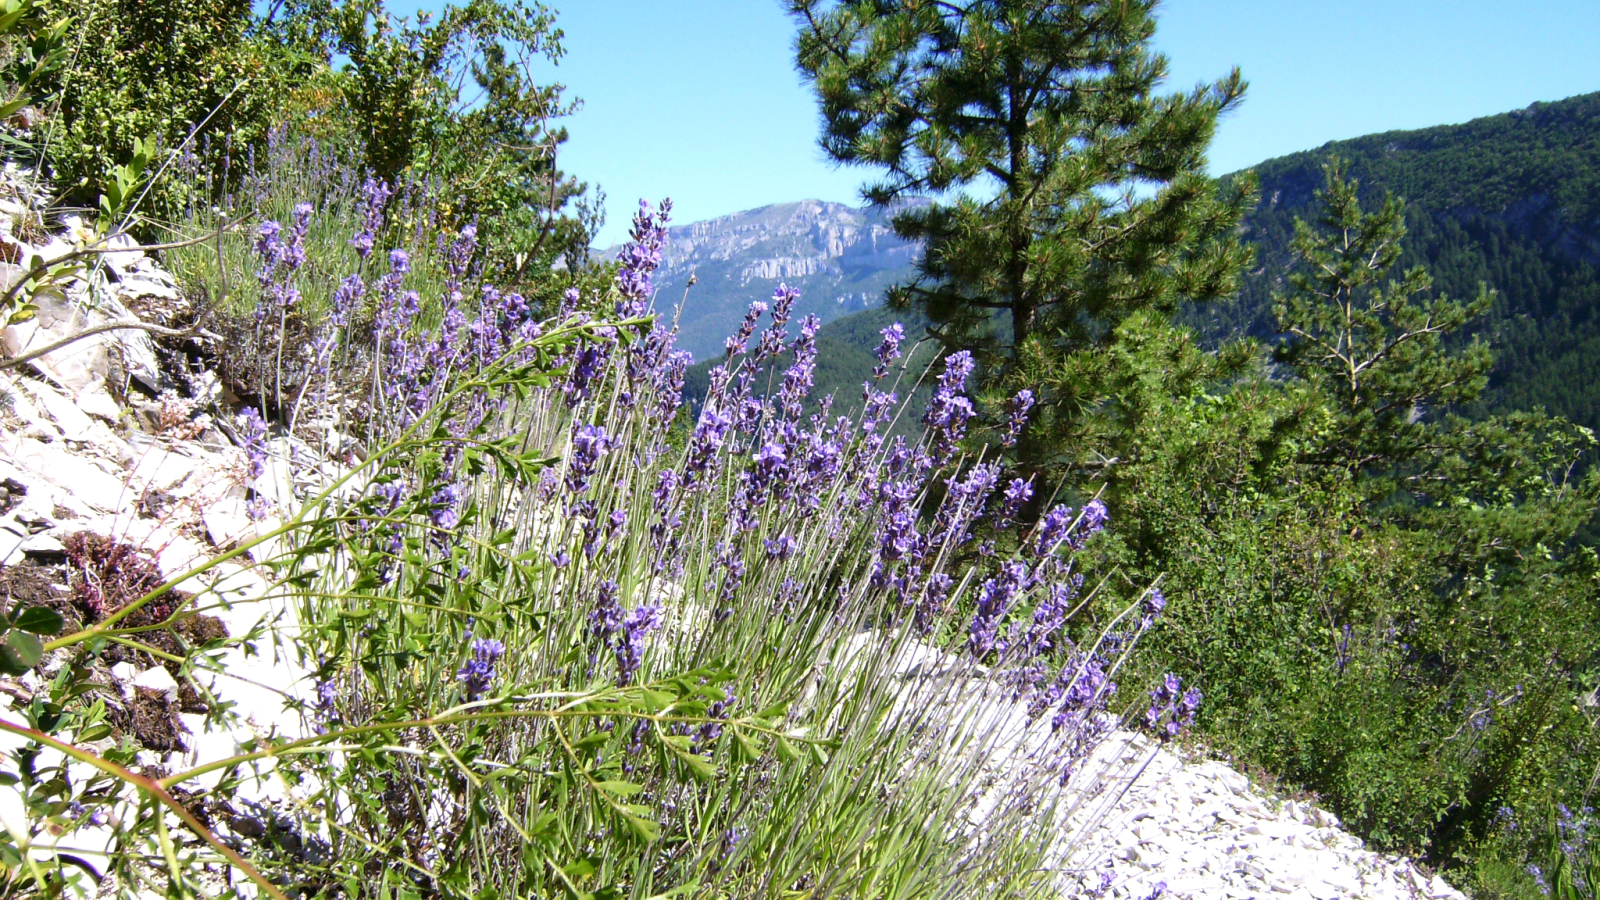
[[1373, 630], [1511, 201]]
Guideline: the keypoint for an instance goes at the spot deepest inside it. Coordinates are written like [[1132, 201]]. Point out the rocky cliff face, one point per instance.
[[840, 258]]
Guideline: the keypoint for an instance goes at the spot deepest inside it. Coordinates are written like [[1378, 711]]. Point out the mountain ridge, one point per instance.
[[840, 258], [1510, 200]]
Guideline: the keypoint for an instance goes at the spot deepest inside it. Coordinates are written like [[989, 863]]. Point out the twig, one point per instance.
[[97, 248], [131, 325]]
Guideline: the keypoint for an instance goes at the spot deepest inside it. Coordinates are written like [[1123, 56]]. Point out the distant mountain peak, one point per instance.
[[841, 258]]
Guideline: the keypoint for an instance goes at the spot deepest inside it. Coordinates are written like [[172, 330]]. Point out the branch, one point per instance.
[[132, 325], [96, 249], [156, 792]]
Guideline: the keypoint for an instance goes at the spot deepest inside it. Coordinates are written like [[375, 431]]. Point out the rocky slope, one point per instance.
[[841, 259]]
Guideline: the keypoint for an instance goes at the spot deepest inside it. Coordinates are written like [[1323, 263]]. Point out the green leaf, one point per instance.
[[744, 750], [786, 751], [656, 701], [775, 711], [580, 869], [698, 766], [643, 829], [619, 788], [39, 620], [90, 735], [20, 652]]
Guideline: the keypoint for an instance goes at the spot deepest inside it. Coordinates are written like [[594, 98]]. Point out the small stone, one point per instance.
[[43, 546], [157, 679]]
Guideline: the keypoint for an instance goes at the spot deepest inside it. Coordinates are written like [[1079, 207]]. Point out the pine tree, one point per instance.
[[1378, 347], [1065, 193]]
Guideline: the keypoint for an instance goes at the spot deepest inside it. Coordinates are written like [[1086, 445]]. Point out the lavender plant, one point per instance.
[[554, 651]]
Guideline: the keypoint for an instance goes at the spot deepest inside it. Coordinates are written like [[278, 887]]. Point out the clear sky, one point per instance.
[[698, 100]]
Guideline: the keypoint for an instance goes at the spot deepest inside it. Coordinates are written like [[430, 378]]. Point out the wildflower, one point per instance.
[[446, 513], [732, 564], [1091, 523], [948, 411], [1154, 602], [479, 671], [888, 350], [589, 443], [1017, 494], [375, 195], [253, 431], [1538, 878], [259, 508], [716, 712], [630, 642], [735, 344], [995, 598], [1171, 708], [1017, 416], [640, 258], [780, 548], [96, 817]]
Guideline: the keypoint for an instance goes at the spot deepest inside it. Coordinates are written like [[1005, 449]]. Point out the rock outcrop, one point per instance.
[[840, 258]]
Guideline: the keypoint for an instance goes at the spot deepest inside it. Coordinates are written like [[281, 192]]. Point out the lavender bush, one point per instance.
[[561, 649]]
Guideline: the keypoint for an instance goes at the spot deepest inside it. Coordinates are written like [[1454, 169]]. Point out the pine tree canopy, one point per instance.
[[1377, 346], [1067, 191]]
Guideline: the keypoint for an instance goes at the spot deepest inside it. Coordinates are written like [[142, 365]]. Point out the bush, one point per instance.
[[556, 653]]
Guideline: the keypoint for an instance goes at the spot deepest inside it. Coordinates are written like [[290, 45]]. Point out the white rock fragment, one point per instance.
[[157, 679]]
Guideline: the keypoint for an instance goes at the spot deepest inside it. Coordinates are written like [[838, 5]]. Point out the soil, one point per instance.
[[155, 723], [30, 585]]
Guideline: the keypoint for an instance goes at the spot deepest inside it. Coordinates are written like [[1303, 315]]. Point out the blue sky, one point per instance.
[[698, 100]]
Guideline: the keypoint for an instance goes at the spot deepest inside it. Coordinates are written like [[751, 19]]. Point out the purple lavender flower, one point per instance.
[[1092, 523], [1154, 602], [995, 599], [96, 817], [253, 431], [732, 563], [1081, 689], [622, 633], [630, 641], [446, 512], [1017, 416], [1017, 494], [773, 339], [478, 673], [888, 350], [948, 411], [736, 343], [781, 547], [640, 258], [589, 443], [1171, 708], [375, 196]]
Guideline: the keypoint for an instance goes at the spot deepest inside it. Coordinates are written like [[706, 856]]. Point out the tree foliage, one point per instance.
[[1071, 192]]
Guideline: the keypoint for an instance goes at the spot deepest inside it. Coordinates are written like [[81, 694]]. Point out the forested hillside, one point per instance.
[[1511, 201]]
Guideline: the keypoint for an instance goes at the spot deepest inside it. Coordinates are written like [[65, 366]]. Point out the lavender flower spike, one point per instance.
[[479, 672]]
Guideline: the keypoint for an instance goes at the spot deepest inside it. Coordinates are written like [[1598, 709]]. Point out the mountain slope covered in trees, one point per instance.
[[1511, 201]]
